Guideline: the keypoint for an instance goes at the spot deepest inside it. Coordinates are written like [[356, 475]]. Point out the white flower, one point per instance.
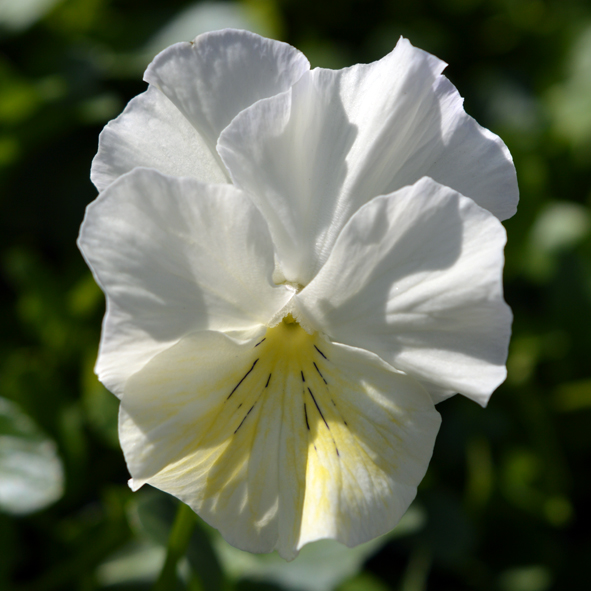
[[299, 264]]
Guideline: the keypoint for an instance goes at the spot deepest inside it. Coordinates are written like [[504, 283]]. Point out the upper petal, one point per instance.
[[195, 90], [214, 77], [416, 277], [151, 132], [279, 441], [315, 154], [174, 256]]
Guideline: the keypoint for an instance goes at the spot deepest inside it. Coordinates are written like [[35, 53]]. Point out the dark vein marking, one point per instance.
[[319, 373], [240, 382], [316, 403], [268, 380], [303, 378], [244, 419], [240, 405], [260, 342], [306, 415], [335, 405], [321, 353]]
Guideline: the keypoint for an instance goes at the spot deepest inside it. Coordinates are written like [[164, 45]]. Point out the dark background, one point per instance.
[[505, 504]]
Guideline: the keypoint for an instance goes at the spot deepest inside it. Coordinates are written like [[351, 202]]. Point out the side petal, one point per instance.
[[280, 441], [173, 256], [151, 132], [214, 77], [312, 156], [416, 277]]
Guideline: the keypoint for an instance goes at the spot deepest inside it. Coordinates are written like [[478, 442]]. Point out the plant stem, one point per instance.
[[180, 535]]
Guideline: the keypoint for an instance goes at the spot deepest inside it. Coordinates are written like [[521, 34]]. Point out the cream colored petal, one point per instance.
[[372, 431], [279, 441]]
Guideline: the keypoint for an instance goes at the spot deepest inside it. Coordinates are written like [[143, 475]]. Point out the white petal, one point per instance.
[[466, 157], [214, 77], [281, 441], [151, 132], [173, 256], [313, 155], [416, 277]]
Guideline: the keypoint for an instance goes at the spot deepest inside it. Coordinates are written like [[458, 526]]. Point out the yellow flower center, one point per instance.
[[286, 356]]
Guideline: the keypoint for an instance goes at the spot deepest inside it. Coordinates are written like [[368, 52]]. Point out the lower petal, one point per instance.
[[279, 440]]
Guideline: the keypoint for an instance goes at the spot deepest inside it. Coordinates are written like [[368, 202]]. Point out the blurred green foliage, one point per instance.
[[504, 506]]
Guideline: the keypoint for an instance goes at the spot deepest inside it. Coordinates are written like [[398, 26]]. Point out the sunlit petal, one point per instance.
[[416, 277], [214, 77], [312, 156], [173, 256], [152, 132], [280, 441]]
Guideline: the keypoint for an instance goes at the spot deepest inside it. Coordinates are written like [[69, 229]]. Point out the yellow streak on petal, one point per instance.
[[280, 442], [262, 468]]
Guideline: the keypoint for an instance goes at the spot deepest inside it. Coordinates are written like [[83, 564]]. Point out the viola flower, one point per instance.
[[298, 264]]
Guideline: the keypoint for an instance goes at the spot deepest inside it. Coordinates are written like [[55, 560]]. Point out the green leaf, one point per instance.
[[31, 473]]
